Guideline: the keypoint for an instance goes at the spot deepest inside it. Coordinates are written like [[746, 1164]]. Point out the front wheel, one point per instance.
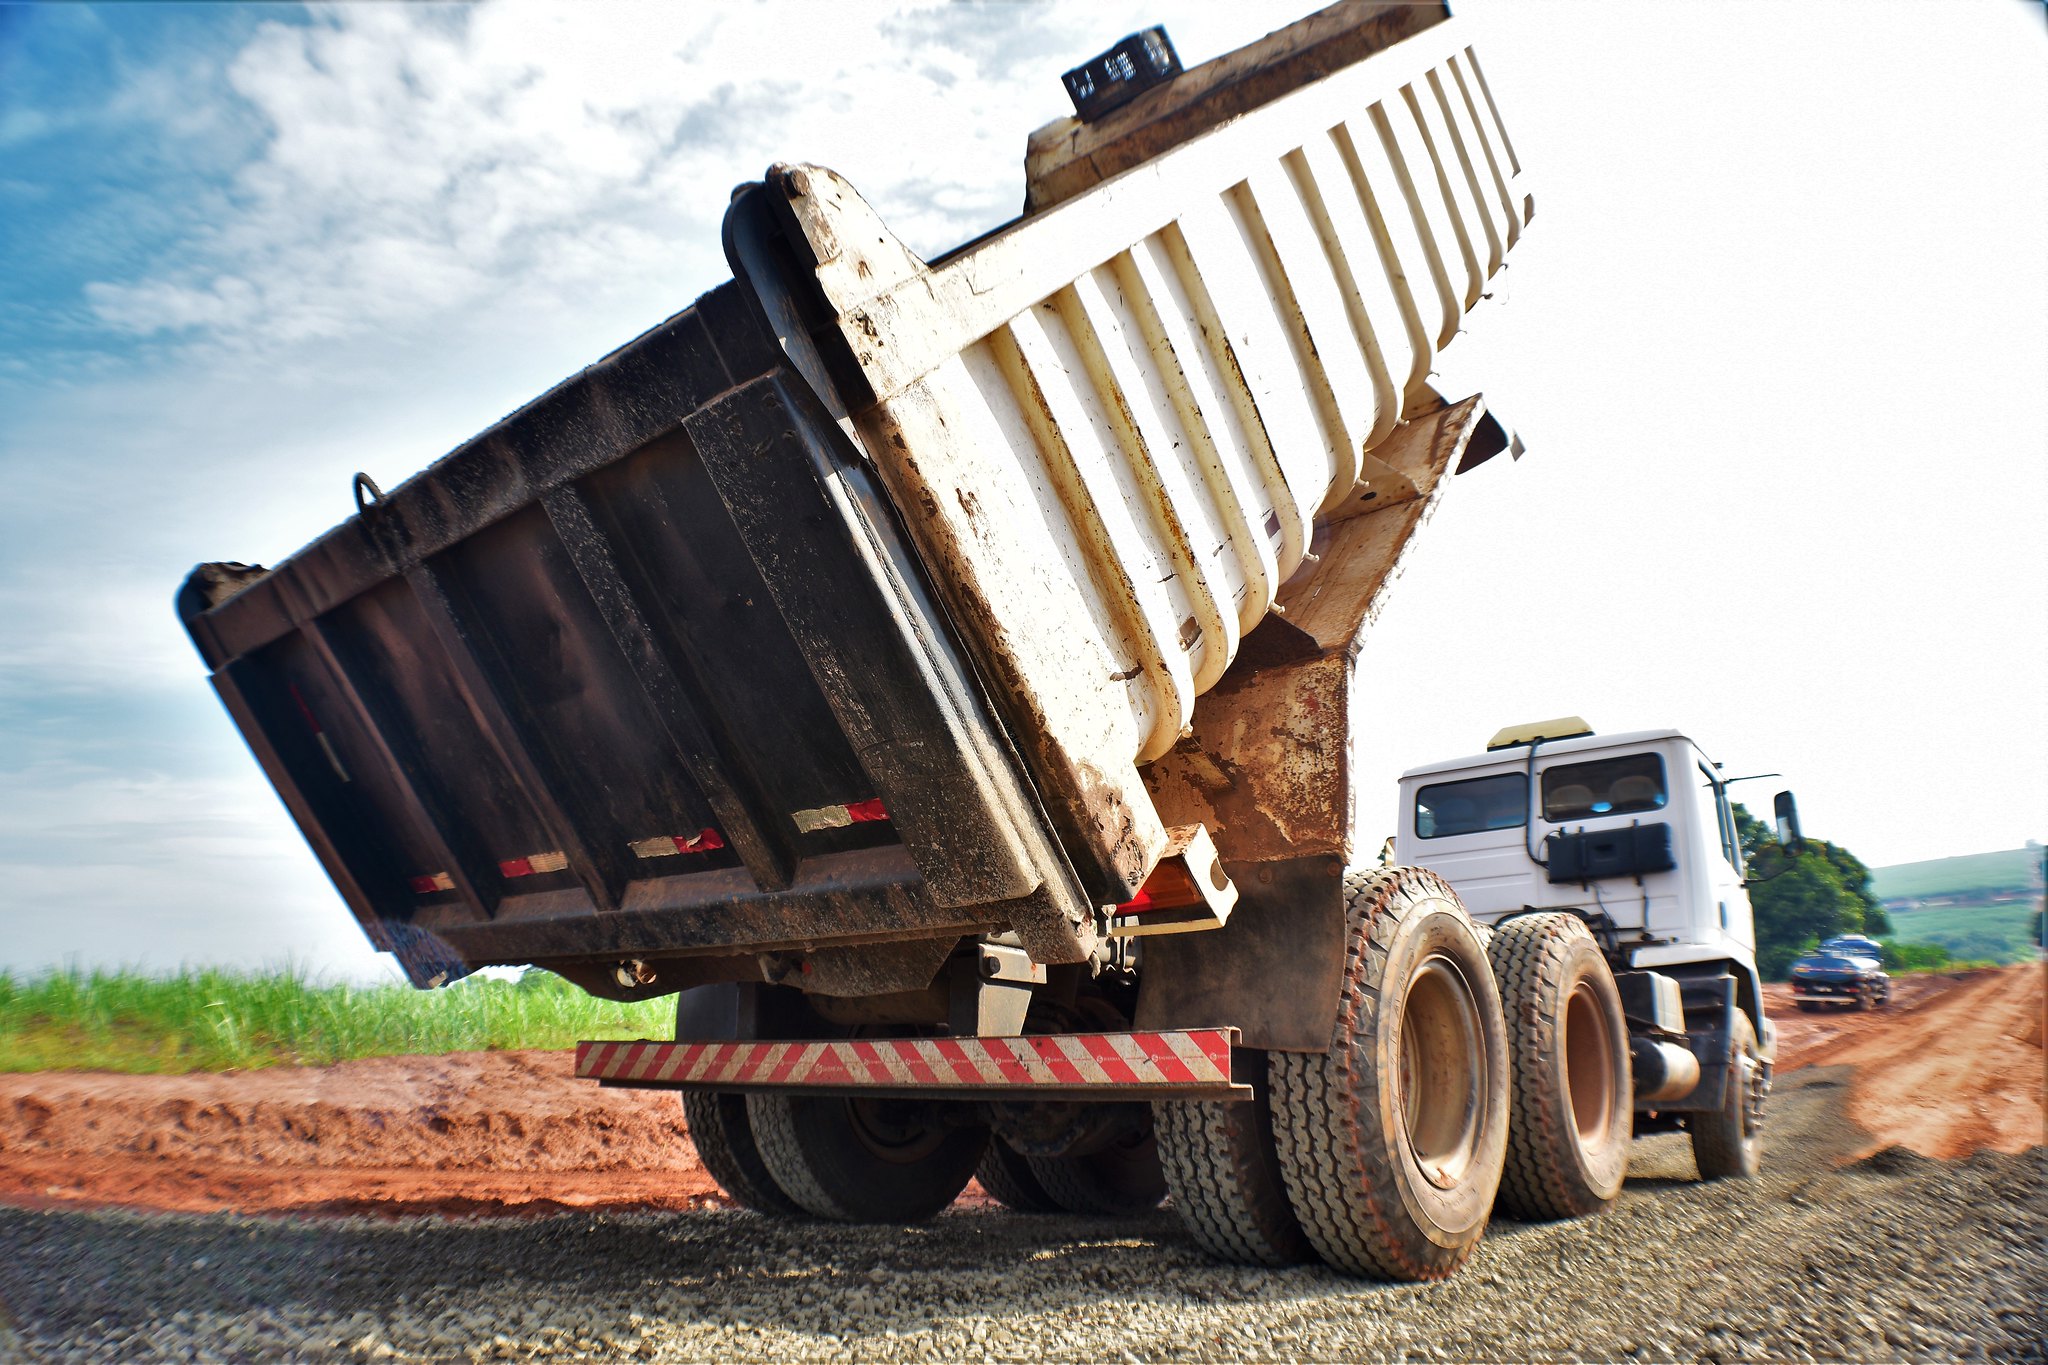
[[1728, 1144], [1391, 1142], [1006, 1174]]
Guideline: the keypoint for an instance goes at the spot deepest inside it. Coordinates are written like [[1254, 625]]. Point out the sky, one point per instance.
[[1776, 342]]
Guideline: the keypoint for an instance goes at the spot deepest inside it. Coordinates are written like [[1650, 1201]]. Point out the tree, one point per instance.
[[1799, 901]]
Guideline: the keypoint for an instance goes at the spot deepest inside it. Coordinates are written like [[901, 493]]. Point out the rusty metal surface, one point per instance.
[[1126, 429], [1267, 764], [1276, 968], [1067, 156]]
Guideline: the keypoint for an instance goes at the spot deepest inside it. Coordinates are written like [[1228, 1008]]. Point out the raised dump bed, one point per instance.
[[658, 664], [956, 650]]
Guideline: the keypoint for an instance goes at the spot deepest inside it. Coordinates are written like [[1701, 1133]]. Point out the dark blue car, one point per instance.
[[1839, 978]]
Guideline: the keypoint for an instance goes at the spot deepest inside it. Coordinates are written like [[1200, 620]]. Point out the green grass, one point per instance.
[[1989, 933], [215, 1020], [1974, 873]]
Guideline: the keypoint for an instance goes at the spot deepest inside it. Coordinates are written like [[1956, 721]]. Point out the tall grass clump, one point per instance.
[[211, 1020]]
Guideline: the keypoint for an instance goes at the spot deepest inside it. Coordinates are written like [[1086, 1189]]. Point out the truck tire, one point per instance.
[[1391, 1142], [1728, 1143], [864, 1160], [1571, 1092], [725, 1144], [1006, 1174], [1224, 1172], [1118, 1179]]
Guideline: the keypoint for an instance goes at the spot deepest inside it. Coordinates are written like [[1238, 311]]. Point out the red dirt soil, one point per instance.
[[477, 1132], [1953, 1065]]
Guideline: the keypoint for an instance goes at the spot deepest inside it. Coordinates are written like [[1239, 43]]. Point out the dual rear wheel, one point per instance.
[[1465, 1071], [1382, 1154]]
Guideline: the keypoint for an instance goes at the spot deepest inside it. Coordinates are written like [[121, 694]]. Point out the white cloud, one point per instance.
[[423, 161], [120, 867]]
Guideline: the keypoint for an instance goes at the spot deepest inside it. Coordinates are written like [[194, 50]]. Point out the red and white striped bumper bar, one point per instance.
[[1177, 1064]]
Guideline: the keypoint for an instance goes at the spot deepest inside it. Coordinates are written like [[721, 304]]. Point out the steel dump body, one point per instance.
[[491, 697], [846, 606]]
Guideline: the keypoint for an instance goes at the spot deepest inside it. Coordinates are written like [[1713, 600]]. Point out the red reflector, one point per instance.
[[706, 840], [305, 711], [1138, 904], [861, 812], [517, 867], [430, 883]]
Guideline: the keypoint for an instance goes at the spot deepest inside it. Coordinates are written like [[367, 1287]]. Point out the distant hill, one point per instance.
[[1979, 906], [1973, 876]]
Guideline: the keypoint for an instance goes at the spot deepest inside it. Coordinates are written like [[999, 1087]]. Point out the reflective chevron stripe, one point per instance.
[[1164, 1061]]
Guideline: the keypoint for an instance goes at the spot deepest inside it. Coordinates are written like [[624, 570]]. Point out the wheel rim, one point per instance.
[[1588, 1063], [1442, 1076], [887, 1131]]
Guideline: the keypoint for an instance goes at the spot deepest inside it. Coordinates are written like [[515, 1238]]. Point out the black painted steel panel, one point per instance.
[[665, 601]]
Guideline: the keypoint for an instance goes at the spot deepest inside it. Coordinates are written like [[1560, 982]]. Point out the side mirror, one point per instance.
[[1787, 811]]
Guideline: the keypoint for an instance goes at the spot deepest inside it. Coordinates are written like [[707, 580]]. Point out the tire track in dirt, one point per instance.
[[1954, 1065]]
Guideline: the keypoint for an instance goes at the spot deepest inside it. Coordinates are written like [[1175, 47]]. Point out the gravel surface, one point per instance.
[[1895, 1257]]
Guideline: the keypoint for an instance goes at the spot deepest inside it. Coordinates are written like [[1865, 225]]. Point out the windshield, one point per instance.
[[1607, 786], [1477, 803]]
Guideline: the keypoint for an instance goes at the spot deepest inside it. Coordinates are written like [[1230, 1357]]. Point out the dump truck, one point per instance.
[[1609, 876], [937, 674]]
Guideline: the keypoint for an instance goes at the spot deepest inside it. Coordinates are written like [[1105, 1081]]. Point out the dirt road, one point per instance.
[[1953, 1065]]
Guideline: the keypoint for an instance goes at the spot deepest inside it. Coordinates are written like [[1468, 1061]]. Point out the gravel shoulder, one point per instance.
[[1894, 1257]]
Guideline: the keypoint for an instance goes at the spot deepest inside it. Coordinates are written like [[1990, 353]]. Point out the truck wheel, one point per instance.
[[1225, 1173], [863, 1160], [1571, 1094], [725, 1144], [1806, 1006], [1120, 1178], [1728, 1143], [1006, 1174], [1391, 1142]]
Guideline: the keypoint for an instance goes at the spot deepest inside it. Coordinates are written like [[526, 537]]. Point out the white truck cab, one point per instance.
[[1633, 835], [1632, 832]]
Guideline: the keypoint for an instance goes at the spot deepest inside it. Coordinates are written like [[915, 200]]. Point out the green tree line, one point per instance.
[[1822, 891]]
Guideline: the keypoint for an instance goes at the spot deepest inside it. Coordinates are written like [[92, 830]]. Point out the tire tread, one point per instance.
[[1530, 957], [1326, 1122], [1224, 1171]]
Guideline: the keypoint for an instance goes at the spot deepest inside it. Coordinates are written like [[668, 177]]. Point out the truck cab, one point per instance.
[[1633, 834]]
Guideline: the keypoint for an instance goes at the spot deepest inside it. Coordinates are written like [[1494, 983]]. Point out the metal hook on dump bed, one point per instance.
[[363, 484]]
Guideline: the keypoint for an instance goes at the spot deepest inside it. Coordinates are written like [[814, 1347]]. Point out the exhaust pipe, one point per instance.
[[1663, 1071]]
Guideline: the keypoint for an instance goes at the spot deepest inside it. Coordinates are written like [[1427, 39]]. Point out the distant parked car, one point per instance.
[[1855, 945], [1851, 979]]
